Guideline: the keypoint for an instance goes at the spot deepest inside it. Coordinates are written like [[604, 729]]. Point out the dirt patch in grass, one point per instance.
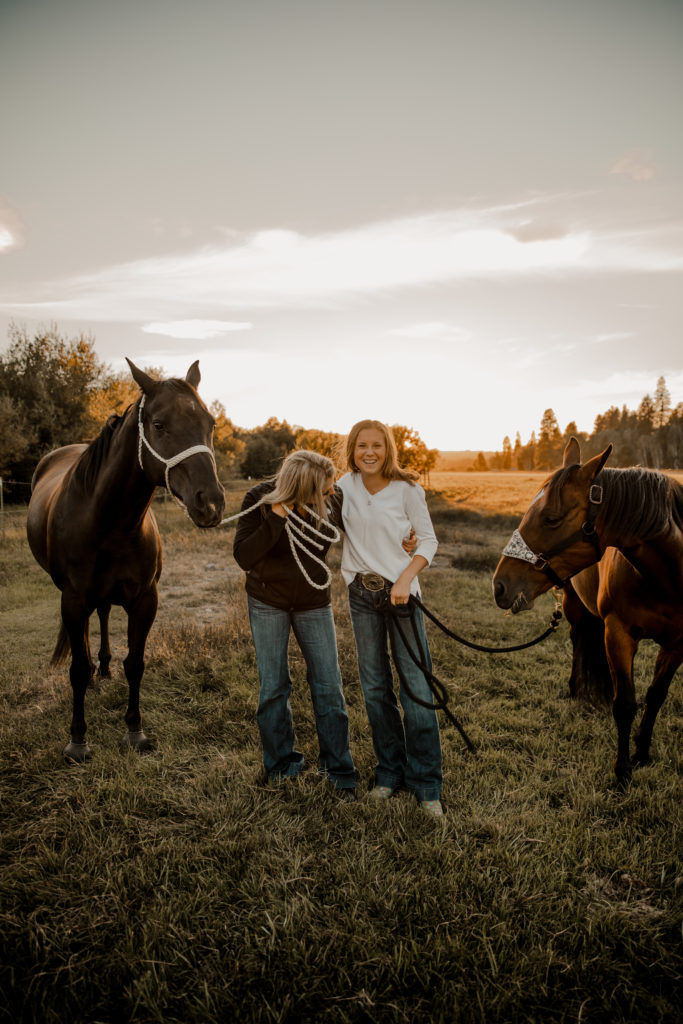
[[194, 585]]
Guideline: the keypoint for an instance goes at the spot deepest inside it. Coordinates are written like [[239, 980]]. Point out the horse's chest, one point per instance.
[[123, 568]]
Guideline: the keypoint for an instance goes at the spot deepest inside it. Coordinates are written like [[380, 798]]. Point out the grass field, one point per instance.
[[174, 887]]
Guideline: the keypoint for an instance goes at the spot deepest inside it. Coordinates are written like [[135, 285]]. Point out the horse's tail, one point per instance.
[[591, 679], [62, 648]]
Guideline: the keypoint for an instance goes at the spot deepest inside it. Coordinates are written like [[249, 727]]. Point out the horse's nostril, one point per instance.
[[498, 589]]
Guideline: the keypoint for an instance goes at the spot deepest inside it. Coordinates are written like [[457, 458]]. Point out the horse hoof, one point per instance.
[[77, 753], [138, 742], [641, 760]]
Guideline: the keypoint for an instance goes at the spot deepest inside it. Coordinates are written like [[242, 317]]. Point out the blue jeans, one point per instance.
[[315, 634], [408, 752]]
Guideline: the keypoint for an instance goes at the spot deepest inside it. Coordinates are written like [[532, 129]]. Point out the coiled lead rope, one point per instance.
[[291, 529]]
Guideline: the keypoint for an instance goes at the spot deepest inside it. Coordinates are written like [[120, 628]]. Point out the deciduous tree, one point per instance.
[[49, 379]]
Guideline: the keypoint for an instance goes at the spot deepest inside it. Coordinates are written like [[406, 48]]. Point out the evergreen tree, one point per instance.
[[549, 442], [646, 415], [517, 451], [506, 461], [662, 405]]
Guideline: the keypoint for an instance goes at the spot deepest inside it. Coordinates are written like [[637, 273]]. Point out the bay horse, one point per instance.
[[613, 539], [90, 526]]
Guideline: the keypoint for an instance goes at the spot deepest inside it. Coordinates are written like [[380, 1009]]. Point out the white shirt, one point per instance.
[[376, 524]]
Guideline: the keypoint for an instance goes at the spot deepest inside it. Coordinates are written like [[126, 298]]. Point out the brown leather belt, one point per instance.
[[371, 581]]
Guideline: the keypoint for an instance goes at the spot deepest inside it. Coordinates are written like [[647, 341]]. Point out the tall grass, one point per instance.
[[175, 887]]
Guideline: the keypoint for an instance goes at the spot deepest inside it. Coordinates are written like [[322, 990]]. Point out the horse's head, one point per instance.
[[558, 527], [175, 443]]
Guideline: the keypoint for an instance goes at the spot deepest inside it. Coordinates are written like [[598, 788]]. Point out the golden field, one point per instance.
[[504, 493]]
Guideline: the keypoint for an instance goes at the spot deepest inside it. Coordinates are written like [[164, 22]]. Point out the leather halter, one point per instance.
[[518, 548]]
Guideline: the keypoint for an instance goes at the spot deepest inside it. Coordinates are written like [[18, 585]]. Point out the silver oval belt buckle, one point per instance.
[[372, 581]]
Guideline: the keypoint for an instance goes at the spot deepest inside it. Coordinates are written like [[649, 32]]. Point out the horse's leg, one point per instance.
[[141, 615], [621, 649], [104, 653], [665, 669], [590, 677], [75, 617]]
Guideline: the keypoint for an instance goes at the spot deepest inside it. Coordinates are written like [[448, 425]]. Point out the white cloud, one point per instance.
[[613, 336], [198, 330], [636, 165], [11, 232], [285, 269], [432, 331], [630, 386]]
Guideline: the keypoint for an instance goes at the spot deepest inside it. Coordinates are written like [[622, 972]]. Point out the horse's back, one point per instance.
[[55, 464], [46, 485]]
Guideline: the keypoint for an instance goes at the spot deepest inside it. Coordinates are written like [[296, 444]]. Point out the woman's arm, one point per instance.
[[419, 518], [400, 592], [334, 504], [425, 549]]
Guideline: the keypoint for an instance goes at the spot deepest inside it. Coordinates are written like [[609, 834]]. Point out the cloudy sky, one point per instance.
[[451, 214]]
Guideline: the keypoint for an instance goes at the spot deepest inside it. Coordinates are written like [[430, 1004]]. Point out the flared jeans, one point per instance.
[[408, 750], [315, 634]]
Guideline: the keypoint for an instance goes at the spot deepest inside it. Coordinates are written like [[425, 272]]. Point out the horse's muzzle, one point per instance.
[[207, 511], [505, 598]]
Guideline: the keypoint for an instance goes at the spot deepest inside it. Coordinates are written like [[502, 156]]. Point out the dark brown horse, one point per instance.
[[629, 522], [91, 527]]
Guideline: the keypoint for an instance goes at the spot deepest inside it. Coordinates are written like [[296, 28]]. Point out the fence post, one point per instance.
[[2, 510]]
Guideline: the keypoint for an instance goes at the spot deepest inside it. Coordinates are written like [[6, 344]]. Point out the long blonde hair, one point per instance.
[[302, 480], [391, 470]]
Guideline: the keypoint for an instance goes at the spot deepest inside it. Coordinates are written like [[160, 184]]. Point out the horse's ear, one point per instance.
[[142, 379], [193, 376], [594, 465], [572, 454]]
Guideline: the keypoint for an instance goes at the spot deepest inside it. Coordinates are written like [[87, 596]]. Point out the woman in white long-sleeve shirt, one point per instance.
[[382, 504]]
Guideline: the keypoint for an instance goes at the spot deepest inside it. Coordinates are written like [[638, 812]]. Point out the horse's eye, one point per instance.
[[157, 424], [551, 520]]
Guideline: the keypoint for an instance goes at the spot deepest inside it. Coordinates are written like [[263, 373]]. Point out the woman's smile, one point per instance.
[[370, 452]]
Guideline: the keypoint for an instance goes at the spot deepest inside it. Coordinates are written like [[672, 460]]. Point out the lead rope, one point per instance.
[[393, 621], [438, 689], [298, 542]]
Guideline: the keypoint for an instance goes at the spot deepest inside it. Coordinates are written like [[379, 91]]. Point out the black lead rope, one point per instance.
[[435, 685], [393, 618], [554, 623]]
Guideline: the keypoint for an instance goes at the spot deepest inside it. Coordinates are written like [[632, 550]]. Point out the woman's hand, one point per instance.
[[409, 543], [400, 592]]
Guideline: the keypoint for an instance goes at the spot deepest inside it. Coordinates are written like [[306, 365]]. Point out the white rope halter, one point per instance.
[[174, 460], [295, 542]]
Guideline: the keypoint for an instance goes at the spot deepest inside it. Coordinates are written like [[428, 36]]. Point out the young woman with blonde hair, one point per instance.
[[382, 503], [281, 543]]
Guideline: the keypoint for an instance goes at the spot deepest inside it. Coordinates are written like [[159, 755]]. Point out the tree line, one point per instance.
[[55, 390], [651, 436]]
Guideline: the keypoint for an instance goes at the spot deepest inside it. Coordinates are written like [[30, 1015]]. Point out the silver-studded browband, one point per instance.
[[517, 547]]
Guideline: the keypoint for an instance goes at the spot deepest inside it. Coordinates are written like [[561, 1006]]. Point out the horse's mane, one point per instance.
[[90, 462], [640, 502], [636, 502]]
